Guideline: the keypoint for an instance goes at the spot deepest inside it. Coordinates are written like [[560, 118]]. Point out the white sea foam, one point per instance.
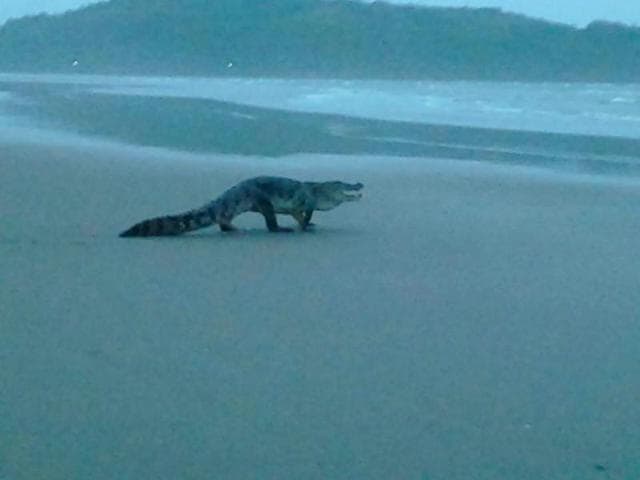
[[628, 100], [561, 108], [572, 108]]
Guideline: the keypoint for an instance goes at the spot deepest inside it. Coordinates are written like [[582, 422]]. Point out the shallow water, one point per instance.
[[570, 127]]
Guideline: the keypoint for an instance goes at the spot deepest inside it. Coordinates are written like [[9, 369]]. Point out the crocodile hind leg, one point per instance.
[[225, 224]]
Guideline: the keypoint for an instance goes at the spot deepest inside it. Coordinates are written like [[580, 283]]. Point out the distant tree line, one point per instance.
[[319, 38]]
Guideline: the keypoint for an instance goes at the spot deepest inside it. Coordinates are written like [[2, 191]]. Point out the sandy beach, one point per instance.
[[463, 321]]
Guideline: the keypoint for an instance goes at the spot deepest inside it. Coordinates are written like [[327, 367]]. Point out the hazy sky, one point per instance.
[[577, 12]]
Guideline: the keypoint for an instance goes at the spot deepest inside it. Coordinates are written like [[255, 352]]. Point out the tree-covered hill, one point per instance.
[[327, 38]]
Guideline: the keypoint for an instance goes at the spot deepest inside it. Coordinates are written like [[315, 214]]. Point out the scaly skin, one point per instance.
[[266, 195]]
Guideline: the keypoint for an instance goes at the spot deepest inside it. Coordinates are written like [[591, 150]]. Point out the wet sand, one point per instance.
[[463, 321]]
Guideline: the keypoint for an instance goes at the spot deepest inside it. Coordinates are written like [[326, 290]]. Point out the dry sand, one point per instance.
[[463, 321]]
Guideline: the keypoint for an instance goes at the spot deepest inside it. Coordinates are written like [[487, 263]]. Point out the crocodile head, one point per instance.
[[329, 195]]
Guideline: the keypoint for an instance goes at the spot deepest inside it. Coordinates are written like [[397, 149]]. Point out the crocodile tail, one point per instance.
[[172, 224]]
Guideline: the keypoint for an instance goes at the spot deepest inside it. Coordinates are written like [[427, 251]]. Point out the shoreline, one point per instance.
[[209, 126]]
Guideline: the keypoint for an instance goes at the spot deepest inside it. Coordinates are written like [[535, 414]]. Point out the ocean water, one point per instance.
[[592, 109], [590, 127], [560, 108]]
